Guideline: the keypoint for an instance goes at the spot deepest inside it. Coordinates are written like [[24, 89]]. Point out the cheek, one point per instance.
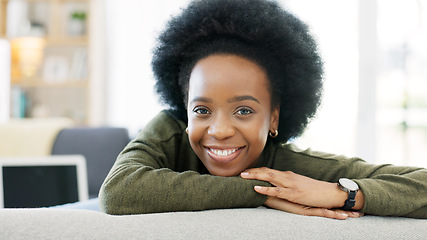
[[195, 133], [262, 128], [260, 139], [261, 133], [193, 138], [256, 134]]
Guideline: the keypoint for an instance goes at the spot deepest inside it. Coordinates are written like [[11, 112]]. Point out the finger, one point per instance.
[[323, 212], [275, 177], [347, 213], [354, 214], [272, 191], [253, 172], [291, 207]]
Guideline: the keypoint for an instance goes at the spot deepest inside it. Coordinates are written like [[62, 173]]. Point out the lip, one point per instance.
[[223, 155]]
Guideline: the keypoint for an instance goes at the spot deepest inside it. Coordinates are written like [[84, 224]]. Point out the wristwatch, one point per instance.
[[351, 188]]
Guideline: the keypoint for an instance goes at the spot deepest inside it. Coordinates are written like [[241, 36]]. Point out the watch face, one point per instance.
[[349, 184]]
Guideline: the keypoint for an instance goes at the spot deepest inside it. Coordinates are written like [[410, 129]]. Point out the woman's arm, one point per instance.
[[157, 172], [301, 189], [394, 190], [302, 195], [384, 189]]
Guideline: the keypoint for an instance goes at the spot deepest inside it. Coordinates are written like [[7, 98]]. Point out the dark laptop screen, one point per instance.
[[39, 186]]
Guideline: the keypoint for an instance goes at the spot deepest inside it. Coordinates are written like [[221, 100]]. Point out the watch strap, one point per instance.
[[351, 201]]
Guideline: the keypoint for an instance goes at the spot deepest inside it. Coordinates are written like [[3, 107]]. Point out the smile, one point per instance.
[[223, 155], [223, 152]]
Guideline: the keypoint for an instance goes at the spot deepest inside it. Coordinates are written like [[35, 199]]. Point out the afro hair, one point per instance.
[[259, 30]]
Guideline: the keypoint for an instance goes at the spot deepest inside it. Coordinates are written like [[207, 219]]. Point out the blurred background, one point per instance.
[[89, 61]]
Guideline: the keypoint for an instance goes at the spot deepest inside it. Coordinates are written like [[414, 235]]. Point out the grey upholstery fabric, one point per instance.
[[100, 146], [257, 223]]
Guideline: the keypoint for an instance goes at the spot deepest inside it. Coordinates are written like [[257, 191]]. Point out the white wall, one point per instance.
[[334, 25], [132, 27]]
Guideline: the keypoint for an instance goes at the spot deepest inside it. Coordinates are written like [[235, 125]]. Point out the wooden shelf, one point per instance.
[[57, 1], [62, 41], [69, 41], [65, 58], [3, 17], [38, 82]]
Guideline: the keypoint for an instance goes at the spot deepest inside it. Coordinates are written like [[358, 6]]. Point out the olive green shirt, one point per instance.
[[159, 172]]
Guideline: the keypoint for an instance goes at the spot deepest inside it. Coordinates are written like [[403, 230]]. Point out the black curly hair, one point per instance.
[[259, 30]]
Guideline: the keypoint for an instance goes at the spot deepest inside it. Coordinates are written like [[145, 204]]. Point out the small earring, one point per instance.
[[273, 135], [186, 130]]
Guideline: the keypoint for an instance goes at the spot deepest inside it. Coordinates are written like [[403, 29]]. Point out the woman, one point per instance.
[[242, 78]]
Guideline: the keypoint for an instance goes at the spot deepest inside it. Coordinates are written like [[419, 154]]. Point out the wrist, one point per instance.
[[360, 200], [339, 196]]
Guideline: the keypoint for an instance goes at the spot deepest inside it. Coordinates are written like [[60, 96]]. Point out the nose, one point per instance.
[[221, 128]]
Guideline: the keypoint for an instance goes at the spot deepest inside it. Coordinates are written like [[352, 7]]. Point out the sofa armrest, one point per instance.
[[257, 223]]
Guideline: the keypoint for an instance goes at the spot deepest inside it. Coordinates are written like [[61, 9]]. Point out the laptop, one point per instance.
[[32, 182]]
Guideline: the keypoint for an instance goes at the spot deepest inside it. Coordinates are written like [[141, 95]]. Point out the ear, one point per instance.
[[274, 121]]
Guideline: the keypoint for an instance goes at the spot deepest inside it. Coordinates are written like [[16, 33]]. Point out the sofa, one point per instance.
[[257, 223]]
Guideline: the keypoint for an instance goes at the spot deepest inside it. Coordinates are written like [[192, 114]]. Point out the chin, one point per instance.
[[224, 173]]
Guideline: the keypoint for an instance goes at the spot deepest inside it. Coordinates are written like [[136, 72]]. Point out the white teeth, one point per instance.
[[223, 152]]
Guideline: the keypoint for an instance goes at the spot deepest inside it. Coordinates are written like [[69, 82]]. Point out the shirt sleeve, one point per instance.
[[145, 177], [389, 190], [393, 190]]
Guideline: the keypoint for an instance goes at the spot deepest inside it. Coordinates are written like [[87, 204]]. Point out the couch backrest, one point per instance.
[[30, 136], [100, 146]]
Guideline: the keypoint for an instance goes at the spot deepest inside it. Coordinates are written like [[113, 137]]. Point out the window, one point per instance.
[[402, 82]]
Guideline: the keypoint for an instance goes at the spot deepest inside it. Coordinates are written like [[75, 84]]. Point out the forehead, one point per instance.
[[228, 74]]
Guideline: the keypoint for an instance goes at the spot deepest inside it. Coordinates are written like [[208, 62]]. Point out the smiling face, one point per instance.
[[229, 113]]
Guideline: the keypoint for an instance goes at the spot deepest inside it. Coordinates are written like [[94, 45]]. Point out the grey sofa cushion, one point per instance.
[[99, 145], [257, 223]]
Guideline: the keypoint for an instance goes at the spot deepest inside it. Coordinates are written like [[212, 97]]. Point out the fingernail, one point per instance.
[[360, 214], [343, 214], [258, 188], [244, 174]]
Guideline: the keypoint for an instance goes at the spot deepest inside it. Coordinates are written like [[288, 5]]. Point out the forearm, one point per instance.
[[136, 190], [392, 191], [419, 213], [387, 189], [396, 198]]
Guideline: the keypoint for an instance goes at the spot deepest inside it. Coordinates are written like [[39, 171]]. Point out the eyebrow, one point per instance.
[[232, 100], [201, 99], [243, 98]]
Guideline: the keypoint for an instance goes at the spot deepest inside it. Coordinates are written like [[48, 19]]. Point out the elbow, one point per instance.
[[107, 200], [115, 200]]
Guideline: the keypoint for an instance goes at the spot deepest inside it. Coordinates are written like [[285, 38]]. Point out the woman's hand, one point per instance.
[[299, 194], [284, 205]]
